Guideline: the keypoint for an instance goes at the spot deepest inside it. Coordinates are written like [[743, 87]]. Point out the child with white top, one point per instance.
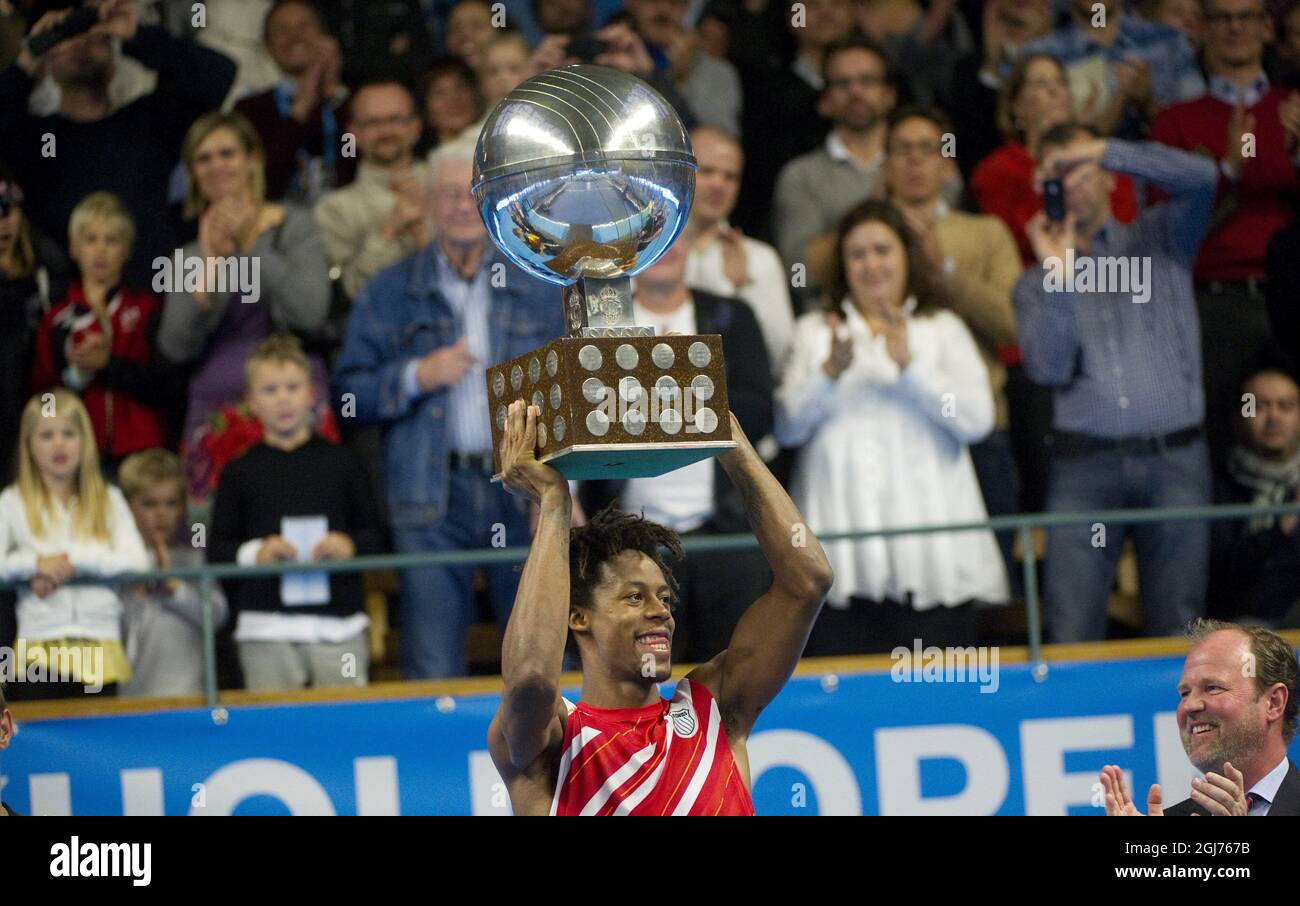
[[60, 520]]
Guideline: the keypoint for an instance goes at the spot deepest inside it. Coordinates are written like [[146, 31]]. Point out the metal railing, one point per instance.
[[1023, 524]]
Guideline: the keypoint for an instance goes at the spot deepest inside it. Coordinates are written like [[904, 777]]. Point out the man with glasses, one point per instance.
[[816, 189], [976, 261], [1253, 127], [380, 217]]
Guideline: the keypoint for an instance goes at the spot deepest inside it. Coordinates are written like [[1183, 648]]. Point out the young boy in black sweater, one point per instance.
[[294, 497]]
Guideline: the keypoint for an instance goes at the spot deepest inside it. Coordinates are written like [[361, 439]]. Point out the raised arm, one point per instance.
[[770, 637], [532, 654]]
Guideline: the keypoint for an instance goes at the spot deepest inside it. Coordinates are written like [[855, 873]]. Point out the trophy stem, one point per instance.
[[595, 307]]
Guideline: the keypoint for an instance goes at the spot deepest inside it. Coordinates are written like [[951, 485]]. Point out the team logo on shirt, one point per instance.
[[684, 723]]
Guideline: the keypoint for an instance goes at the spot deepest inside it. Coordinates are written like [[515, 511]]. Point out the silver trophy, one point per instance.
[[584, 177]]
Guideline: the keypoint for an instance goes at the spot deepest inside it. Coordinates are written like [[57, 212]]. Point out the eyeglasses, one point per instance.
[[866, 81], [1249, 18]]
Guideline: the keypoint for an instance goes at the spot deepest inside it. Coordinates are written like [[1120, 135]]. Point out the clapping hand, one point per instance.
[[1118, 799], [1222, 794], [841, 347]]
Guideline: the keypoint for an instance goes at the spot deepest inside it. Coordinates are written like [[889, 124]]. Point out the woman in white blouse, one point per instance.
[[884, 391]]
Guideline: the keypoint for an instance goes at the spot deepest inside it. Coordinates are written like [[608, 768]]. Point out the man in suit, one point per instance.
[[715, 587], [1236, 715]]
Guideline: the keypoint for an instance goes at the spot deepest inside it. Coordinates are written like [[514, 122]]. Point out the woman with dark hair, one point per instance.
[[1035, 96], [33, 272], [452, 102], [884, 391]]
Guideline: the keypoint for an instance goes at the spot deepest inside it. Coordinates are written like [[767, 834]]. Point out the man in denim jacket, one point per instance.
[[420, 336]]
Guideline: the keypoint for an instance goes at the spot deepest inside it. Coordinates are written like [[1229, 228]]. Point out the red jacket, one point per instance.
[[1003, 184], [1237, 248], [122, 396]]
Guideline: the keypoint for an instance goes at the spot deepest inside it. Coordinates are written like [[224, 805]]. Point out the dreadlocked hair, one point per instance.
[[606, 535]]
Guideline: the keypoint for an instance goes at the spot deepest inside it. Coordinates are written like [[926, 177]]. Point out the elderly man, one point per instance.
[[420, 335], [380, 217], [88, 146], [1237, 707]]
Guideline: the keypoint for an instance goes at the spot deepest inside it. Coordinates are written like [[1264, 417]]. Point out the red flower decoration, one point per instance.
[[231, 432]]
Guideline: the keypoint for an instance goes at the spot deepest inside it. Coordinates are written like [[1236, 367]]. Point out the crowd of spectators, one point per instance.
[[966, 259]]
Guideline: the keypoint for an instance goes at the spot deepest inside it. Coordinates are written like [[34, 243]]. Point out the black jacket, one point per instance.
[[1252, 574], [1286, 802], [131, 152], [749, 393]]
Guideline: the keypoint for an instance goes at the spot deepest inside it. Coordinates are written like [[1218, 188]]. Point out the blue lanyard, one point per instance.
[[329, 124]]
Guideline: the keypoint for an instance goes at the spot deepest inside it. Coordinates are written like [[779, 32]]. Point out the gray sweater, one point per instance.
[[164, 633], [293, 284]]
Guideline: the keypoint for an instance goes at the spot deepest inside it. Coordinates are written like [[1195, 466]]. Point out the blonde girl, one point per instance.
[[60, 520]]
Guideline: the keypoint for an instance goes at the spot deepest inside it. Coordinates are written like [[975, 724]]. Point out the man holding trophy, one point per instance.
[[584, 177]]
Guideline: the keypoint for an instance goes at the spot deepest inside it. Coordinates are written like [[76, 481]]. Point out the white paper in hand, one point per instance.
[[304, 533]]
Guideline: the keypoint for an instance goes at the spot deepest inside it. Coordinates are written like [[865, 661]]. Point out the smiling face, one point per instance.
[[385, 122], [450, 105], [469, 27], [292, 36], [875, 264], [629, 625], [1043, 100], [56, 448], [717, 183], [221, 166], [505, 65], [1221, 715], [452, 206]]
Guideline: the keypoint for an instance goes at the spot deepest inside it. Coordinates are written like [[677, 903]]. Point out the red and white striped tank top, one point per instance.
[[669, 758]]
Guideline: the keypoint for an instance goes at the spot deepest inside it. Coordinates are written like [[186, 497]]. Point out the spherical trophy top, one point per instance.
[[583, 171]]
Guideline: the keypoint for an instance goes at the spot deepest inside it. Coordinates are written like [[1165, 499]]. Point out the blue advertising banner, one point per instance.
[[987, 740]]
